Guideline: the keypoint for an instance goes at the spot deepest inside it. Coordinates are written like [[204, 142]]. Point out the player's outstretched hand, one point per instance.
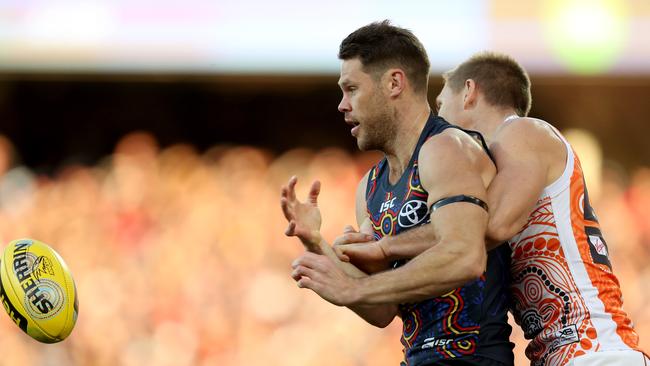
[[304, 218], [319, 274], [361, 250]]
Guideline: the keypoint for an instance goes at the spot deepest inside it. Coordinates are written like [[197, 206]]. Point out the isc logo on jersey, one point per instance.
[[387, 204], [37, 290], [436, 342]]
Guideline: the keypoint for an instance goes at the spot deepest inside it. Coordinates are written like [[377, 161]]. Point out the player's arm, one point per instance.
[[366, 252], [523, 151], [304, 223], [451, 164], [406, 245], [376, 256], [409, 244], [378, 315], [459, 255]]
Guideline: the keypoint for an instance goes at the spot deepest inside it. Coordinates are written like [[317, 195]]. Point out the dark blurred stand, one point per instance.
[[59, 119]]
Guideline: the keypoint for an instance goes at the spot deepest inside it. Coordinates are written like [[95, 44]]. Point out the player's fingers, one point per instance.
[[314, 192], [284, 191], [291, 228], [349, 229], [305, 282], [346, 249], [292, 188], [302, 271], [352, 238], [360, 237], [340, 240], [310, 283], [339, 253], [355, 251], [286, 210], [309, 259]]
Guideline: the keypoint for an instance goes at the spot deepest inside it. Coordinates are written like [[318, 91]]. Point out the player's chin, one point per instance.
[[364, 144], [361, 145]]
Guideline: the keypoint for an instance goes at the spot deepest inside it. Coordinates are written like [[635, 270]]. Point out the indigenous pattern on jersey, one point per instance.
[[468, 321], [565, 296]]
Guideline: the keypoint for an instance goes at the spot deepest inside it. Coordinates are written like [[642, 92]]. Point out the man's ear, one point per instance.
[[396, 82], [470, 94]]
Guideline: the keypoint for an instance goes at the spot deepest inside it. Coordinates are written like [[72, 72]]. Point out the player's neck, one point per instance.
[[410, 125], [488, 120]]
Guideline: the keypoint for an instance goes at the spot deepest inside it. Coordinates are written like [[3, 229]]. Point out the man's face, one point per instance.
[[365, 106], [450, 106]]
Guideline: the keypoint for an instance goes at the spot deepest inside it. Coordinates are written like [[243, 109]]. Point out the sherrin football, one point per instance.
[[37, 290]]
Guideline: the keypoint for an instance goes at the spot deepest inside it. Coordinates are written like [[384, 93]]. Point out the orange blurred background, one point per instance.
[[179, 256], [147, 143]]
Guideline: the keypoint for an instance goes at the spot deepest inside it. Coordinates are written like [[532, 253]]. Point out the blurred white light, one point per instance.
[[69, 24], [586, 35], [587, 22]]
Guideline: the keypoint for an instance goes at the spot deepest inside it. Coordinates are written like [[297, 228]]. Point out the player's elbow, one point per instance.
[[381, 322], [474, 263], [500, 229], [382, 317], [477, 268], [500, 234]]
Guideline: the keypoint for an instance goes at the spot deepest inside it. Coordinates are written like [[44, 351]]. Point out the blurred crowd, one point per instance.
[[179, 256]]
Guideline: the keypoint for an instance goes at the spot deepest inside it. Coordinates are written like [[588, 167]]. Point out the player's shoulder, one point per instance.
[[528, 129], [451, 146], [527, 136], [451, 139]]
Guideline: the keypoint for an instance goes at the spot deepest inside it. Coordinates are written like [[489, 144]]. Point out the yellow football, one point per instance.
[[37, 290]]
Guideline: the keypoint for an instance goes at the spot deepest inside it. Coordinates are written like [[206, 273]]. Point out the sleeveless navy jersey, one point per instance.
[[467, 323]]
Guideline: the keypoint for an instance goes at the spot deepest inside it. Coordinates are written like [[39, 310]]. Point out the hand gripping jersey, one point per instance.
[[470, 321], [565, 296]]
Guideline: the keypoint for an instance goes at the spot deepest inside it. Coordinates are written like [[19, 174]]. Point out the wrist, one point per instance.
[[322, 246], [314, 243], [384, 246], [357, 292]]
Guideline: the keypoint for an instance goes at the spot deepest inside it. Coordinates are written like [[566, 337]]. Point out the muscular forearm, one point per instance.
[[435, 272], [379, 315], [416, 241], [409, 244]]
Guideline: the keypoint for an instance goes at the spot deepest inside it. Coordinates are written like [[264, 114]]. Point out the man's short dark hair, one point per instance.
[[501, 80], [380, 46]]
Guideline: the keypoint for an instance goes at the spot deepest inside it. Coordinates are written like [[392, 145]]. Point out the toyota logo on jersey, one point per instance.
[[412, 213]]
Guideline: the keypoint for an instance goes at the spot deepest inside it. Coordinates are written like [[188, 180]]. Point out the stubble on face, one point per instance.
[[378, 128]]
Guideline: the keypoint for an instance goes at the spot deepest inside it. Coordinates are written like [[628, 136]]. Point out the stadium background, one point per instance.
[[147, 142]]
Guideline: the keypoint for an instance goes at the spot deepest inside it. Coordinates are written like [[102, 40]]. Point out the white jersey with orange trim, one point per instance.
[[565, 296]]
